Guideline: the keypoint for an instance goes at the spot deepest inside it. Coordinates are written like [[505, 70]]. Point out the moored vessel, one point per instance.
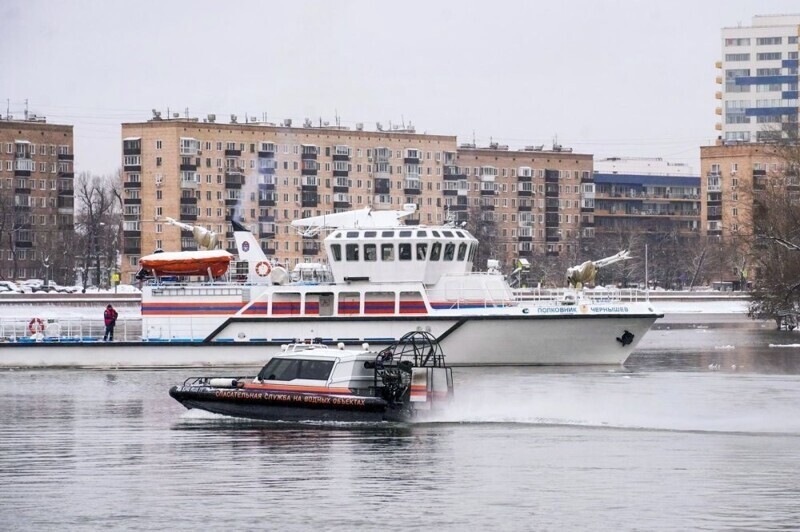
[[382, 278]]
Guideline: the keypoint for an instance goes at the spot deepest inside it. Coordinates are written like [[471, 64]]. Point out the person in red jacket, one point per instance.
[[110, 319]]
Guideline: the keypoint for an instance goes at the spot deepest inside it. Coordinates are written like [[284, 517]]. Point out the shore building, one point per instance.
[[36, 198], [647, 195], [758, 79]]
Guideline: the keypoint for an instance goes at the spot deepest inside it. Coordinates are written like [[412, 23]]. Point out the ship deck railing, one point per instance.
[[67, 330], [570, 296]]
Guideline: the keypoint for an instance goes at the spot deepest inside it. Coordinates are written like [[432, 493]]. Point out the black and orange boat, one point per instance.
[[311, 381]]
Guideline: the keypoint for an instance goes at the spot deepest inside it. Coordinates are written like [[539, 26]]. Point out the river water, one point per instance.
[[701, 430]]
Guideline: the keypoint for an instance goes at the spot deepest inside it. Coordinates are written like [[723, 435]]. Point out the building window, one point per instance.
[[769, 56], [737, 57], [158, 145]]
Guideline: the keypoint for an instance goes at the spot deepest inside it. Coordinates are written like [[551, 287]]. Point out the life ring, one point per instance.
[[263, 268], [36, 325]]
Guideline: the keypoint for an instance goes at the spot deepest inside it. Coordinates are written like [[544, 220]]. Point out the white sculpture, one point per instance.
[[577, 276], [205, 239]]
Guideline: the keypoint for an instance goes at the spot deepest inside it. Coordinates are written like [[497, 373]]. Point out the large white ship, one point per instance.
[[384, 280]]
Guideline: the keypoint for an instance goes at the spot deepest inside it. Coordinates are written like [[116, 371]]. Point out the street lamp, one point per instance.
[[46, 264]]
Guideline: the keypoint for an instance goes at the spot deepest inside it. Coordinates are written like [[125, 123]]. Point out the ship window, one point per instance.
[[389, 234], [370, 252], [436, 250], [462, 251], [460, 234], [387, 252], [281, 369], [405, 251], [352, 234], [405, 233], [435, 233], [370, 234], [315, 369], [351, 251], [449, 251], [338, 235], [422, 251], [422, 233], [448, 233], [472, 249], [336, 250]]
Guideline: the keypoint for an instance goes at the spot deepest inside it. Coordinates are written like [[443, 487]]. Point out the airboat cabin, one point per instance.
[[400, 254]]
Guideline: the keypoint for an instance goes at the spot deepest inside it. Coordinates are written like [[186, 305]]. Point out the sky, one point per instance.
[[611, 78]]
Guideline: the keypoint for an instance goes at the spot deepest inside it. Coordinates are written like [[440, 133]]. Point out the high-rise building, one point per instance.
[[759, 79], [36, 199]]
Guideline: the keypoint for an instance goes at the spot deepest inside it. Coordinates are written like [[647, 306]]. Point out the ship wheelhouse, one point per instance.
[[400, 254]]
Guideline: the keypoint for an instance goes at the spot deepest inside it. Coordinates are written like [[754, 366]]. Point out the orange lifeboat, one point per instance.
[[187, 262]]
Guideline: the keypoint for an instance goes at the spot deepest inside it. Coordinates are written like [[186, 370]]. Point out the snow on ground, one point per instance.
[[65, 312]]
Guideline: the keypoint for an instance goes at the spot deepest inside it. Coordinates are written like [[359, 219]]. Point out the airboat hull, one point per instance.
[[284, 406]]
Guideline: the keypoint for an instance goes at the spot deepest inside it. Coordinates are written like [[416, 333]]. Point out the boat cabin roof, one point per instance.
[[317, 363], [403, 232]]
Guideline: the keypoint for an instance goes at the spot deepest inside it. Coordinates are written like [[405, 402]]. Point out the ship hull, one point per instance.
[[469, 340]]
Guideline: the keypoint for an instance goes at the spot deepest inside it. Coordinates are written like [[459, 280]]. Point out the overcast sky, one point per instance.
[[612, 78]]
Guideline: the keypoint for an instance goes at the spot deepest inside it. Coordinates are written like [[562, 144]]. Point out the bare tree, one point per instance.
[[775, 242], [483, 226], [97, 220]]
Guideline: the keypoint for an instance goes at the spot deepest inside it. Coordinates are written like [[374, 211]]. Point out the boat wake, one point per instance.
[[583, 408]]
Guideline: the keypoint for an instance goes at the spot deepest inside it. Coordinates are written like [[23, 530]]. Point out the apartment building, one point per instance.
[[759, 79], [36, 198], [266, 175], [535, 197], [205, 172], [732, 175], [646, 194]]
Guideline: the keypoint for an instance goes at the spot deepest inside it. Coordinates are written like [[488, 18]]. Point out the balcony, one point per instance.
[[233, 153], [412, 186], [234, 180], [132, 184], [310, 248], [66, 157], [451, 172], [187, 200], [266, 200], [185, 183], [383, 186], [309, 200]]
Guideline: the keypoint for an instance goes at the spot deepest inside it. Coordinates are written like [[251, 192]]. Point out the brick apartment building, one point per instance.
[[36, 198], [204, 172]]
